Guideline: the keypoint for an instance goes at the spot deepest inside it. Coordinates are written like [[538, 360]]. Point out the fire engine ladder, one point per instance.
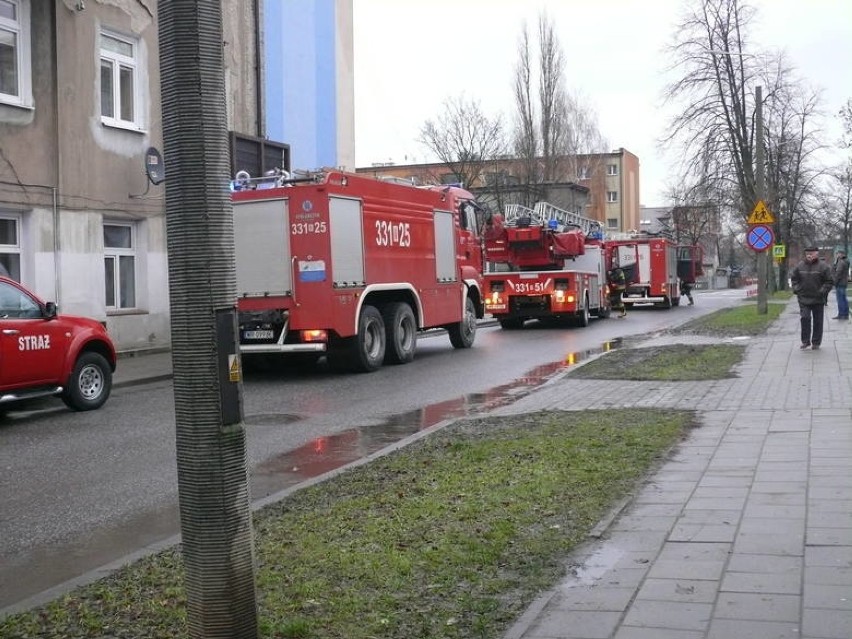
[[546, 212], [515, 212]]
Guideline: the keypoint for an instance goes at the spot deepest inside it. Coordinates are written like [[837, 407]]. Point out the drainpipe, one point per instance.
[[259, 74], [57, 270]]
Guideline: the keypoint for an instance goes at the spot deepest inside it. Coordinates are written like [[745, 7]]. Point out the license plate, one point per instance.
[[258, 334]]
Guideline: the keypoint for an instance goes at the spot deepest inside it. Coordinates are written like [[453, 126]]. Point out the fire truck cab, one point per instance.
[[545, 263]]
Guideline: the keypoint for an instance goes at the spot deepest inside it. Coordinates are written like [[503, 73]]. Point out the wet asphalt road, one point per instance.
[[80, 490]]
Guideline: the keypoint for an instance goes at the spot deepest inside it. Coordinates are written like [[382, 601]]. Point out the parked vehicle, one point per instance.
[[548, 264], [662, 265], [353, 267], [43, 353]]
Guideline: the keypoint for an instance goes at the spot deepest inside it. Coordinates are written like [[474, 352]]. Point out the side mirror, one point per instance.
[[50, 310]]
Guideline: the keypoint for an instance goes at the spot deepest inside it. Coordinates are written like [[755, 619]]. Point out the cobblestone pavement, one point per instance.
[[746, 531]]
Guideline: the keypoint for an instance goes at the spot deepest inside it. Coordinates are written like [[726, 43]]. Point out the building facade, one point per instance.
[[80, 223], [601, 186]]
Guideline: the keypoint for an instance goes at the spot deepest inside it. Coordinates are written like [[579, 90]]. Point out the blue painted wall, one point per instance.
[[300, 77]]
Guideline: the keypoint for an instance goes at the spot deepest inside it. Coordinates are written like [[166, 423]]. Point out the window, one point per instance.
[[451, 178], [119, 81], [10, 247], [612, 196], [612, 169], [611, 223], [16, 304], [15, 70], [119, 265], [583, 173]]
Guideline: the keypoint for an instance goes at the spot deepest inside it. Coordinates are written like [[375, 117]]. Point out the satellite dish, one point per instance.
[[154, 167]]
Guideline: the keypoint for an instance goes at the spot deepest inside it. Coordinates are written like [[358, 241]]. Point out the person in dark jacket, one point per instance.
[[811, 280], [617, 285], [841, 279]]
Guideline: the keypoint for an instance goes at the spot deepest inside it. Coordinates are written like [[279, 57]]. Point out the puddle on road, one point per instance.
[[327, 453]]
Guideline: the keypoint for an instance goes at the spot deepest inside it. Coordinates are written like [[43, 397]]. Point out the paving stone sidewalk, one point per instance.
[[746, 531]]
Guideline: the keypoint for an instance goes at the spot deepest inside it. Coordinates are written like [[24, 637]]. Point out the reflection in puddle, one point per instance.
[[598, 564], [327, 453]]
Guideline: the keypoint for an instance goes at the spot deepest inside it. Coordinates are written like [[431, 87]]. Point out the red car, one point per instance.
[[43, 353]]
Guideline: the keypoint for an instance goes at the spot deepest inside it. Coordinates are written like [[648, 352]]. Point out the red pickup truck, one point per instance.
[[43, 353]]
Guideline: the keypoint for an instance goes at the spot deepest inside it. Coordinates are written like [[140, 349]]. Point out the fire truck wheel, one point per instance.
[[463, 333], [89, 384], [364, 352], [583, 313], [400, 333]]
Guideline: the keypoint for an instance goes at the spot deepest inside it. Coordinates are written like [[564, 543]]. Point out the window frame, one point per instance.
[[611, 197], [611, 170], [13, 249], [22, 30], [113, 255], [118, 62], [611, 223]]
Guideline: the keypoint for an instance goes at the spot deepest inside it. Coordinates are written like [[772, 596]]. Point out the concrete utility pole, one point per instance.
[[212, 468], [760, 193]]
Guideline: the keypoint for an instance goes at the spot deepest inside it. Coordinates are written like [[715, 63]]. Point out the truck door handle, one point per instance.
[[10, 331]]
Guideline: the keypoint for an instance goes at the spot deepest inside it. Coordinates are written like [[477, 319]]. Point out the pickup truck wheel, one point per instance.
[[400, 333], [89, 384], [463, 333]]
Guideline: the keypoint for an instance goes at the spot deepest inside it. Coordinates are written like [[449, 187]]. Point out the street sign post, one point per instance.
[[760, 237], [761, 214]]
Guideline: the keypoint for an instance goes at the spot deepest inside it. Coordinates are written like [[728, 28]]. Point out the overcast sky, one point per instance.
[[411, 55]]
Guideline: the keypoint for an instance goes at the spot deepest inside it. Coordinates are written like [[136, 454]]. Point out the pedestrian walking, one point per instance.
[[812, 280], [841, 279], [617, 286]]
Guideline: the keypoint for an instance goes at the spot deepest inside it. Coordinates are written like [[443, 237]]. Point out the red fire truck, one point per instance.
[[353, 267], [662, 265], [546, 263]]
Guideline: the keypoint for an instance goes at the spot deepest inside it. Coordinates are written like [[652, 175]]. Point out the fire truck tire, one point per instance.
[[364, 352], [400, 333], [463, 334], [89, 384], [583, 314]]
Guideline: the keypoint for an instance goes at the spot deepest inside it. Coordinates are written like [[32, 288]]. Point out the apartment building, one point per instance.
[[80, 223], [601, 186]]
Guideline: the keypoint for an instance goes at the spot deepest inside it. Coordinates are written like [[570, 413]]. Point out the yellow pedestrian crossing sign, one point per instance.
[[779, 251], [760, 214]]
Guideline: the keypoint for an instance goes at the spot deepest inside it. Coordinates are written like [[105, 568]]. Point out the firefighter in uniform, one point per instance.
[[617, 285]]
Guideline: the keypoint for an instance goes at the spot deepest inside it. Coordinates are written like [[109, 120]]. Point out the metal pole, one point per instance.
[[760, 193]]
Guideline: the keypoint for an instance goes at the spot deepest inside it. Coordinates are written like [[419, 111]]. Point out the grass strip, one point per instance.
[[672, 363], [450, 537], [742, 320]]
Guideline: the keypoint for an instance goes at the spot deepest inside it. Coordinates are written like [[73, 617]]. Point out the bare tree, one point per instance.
[[553, 131], [791, 174], [715, 126], [464, 138], [838, 197], [719, 68]]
